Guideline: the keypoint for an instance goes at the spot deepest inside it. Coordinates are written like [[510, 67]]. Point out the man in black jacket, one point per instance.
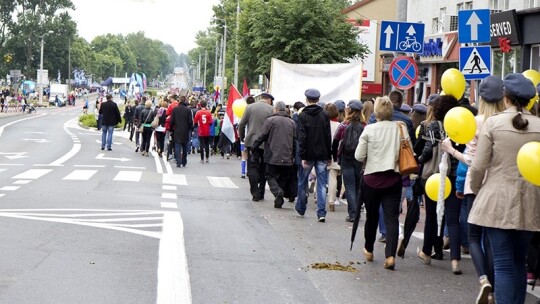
[[181, 124], [111, 117], [314, 141]]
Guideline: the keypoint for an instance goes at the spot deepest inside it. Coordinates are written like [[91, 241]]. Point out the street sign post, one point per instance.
[[473, 26], [402, 37], [475, 62], [403, 72], [42, 77]]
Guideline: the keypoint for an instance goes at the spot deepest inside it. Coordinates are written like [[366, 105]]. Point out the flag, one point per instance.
[[144, 81], [228, 122], [245, 89]]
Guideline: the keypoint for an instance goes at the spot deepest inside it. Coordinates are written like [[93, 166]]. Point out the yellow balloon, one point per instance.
[[453, 83], [417, 132], [460, 125], [528, 162], [533, 76], [239, 106], [432, 187]]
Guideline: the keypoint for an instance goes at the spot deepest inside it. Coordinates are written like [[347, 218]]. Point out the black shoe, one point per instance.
[[291, 199], [349, 219], [255, 199], [102, 148], [298, 211], [437, 256], [109, 149], [322, 219], [278, 201], [401, 249], [177, 165], [137, 149]]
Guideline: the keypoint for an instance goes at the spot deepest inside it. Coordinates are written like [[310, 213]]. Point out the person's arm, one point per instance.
[[427, 152], [265, 132], [242, 125], [302, 137], [481, 159], [360, 154], [447, 146]]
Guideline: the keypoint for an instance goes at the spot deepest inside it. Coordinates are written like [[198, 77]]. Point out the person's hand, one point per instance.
[[460, 195], [329, 162], [304, 164], [446, 146]]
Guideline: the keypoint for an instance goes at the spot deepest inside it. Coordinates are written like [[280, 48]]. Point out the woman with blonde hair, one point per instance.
[[367, 110], [146, 117], [378, 150]]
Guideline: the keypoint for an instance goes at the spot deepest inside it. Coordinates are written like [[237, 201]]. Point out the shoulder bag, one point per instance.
[[141, 127], [407, 162], [432, 166]]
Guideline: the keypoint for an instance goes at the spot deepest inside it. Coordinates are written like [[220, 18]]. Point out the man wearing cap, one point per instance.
[[314, 141], [249, 129], [111, 117]]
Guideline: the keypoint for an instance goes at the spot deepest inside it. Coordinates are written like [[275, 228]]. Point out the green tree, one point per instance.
[[115, 49], [150, 54]]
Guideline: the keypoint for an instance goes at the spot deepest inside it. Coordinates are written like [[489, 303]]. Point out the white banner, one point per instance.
[[288, 82]]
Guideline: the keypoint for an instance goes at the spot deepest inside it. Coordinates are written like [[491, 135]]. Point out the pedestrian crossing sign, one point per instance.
[[475, 62]]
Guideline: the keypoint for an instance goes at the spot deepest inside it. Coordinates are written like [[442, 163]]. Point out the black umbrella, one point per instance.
[[411, 219], [358, 203]]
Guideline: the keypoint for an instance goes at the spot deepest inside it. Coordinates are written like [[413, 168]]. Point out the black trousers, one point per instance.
[[256, 172], [160, 138], [390, 198], [204, 146], [277, 178]]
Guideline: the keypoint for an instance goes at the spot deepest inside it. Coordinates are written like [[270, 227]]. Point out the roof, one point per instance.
[[355, 6]]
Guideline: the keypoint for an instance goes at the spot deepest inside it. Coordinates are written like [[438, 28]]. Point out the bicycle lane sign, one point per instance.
[[403, 72], [404, 37]]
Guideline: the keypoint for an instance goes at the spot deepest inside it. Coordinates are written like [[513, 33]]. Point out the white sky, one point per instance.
[[175, 22]]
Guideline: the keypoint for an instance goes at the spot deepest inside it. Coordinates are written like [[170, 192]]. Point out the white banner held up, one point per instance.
[[288, 82]]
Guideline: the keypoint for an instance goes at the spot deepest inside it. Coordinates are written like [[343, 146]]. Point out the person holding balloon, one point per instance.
[[508, 187]]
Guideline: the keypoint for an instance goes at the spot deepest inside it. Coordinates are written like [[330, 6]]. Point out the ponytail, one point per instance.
[[518, 121]]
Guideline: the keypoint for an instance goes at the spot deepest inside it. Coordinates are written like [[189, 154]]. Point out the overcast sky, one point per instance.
[[172, 21]]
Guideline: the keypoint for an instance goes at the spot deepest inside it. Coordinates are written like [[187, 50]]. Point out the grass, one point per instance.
[[89, 121]]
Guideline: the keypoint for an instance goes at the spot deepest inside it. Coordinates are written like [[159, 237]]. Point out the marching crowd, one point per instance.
[[356, 150]]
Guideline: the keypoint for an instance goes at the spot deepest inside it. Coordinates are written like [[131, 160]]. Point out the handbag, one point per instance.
[[407, 162], [155, 122], [432, 166], [141, 127]]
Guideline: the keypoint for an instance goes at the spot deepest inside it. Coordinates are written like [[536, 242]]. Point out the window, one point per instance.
[[442, 13], [435, 25], [535, 57], [459, 7], [531, 3], [468, 5], [505, 63], [500, 5]]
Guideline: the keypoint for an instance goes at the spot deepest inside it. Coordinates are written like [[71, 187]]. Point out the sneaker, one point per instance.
[[255, 199], [109, 149], [102, 148], [278, 201], [322, 219], [228, 155], [349, 219], [298, 211], [382, 239], [438, 256], [337, 202], [485, 290], [243, 176]]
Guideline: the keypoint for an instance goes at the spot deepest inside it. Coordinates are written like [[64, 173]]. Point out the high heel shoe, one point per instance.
[[455, 267], [368, 255], [390, 263], [426, 259]]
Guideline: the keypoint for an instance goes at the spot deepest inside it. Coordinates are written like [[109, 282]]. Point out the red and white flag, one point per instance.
[[228, 122], [245, 89]]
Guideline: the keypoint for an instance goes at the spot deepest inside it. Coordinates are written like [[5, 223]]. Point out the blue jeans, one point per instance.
[[106, 136], [352, 172], [180, 153], [509, 249], [463, 225], [322, 179]]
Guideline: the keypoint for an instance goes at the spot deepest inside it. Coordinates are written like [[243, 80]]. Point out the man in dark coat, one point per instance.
[[111, 117], [181, 124]]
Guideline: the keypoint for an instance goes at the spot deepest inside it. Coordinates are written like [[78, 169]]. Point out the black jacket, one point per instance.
[[146, 117], [110, 113], [438, 135], [279, 134], [314, 134], [181, 123]]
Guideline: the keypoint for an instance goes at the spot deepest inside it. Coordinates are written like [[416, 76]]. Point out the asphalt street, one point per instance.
[[81, 225]]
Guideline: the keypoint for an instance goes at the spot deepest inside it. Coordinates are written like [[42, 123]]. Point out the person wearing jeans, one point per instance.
[[111, 117], [322, 179]]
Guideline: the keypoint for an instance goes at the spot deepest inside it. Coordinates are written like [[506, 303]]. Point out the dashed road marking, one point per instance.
[[169, 188], [172, 196], [128, 176], [221, 182], [169, 205], [175, 179], [32, 174], [9, 188], [80, 175], [22, 182]]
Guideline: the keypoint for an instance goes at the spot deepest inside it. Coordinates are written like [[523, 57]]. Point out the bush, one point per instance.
[[88, 120], [151, 92], [121, 124]]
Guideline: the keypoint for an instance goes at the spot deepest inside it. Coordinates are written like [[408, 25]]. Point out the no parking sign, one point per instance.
[[403, 72]]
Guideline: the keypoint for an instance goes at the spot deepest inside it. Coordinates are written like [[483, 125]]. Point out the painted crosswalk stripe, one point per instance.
[[169, 188], [22, 182], [221, 182], [9, 188], [32, 174], [175, 179], [169, 196], [2, 170], [128, 176], [169, 205], [80, 175]]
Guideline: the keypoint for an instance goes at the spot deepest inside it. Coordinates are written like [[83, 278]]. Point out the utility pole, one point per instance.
[[236, 44], [69, 65], [216, 62], [224, 60], [205, 61], [199, 68]]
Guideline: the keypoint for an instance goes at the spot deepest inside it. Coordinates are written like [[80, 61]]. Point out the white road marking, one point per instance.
[[9, 188], [173, 273], [167, 166], [32, 174], [1, 194], [127, 167], [80, 175], [128, 176], [89, 166], [96, 214], [17, 121], [157, 160], [37, 140], [22, 182], [11, 164], [169, 205], [102, 157], [221, 182], [169, 196], [123, 219], [169, 188], [141, 225], [13, 155], [76, 148], [175, 179]]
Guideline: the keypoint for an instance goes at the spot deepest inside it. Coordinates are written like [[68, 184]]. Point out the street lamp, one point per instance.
[[224, 56], [40, 84], [236, 44]]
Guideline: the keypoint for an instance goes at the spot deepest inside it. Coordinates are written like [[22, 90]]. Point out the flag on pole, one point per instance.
[[245, 89], [228, 122]]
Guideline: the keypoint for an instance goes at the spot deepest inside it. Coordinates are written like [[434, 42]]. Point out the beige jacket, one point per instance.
[[378, 147], [505, 200]]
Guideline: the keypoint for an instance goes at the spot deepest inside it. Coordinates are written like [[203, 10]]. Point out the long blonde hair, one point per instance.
[[489, 108]]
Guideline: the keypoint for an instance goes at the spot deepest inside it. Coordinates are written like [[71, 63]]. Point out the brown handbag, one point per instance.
[[407, 162]]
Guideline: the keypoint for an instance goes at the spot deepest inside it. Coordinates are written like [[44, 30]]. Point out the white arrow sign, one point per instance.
[[102, 157], [411, 31], [388, 33], [474, 22], [38, 140], [13, 155]]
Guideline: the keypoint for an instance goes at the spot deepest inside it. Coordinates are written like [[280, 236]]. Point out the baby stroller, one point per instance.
[[31, 108]]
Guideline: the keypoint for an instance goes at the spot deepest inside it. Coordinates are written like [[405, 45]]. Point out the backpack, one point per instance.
[[350, 140]]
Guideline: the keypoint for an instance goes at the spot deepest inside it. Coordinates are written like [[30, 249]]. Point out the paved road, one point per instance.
[[83, 226]]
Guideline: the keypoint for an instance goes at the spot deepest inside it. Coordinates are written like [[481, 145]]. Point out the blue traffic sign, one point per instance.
[[475, 62], [473, 26], [403, 72], [402, 37]]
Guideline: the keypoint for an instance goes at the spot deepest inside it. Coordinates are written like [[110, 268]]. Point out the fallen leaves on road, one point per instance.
[[337, 266]]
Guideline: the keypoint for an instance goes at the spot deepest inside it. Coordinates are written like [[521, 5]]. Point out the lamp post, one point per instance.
[[222, 89], [40, 84], [236, 45]]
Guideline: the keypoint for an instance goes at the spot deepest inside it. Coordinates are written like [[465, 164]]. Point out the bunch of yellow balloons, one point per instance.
[[239, 107], [528, 162], [453, 83], [460, 125], [433, 184], [533, 76]]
